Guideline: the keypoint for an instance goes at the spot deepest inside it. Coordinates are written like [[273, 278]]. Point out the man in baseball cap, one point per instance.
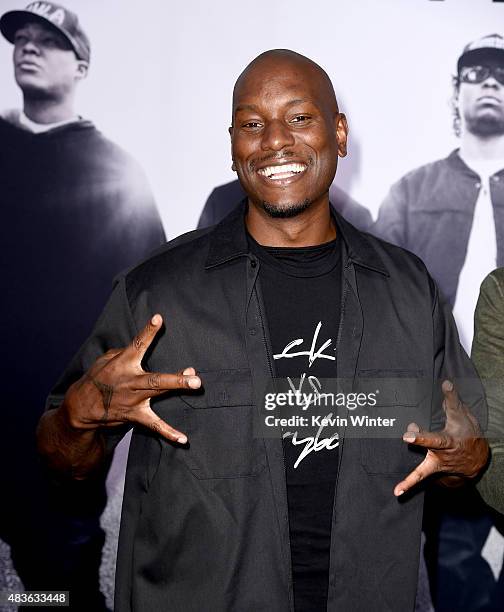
[[52, 15], [450, 212], [487, 48], [76, 210]]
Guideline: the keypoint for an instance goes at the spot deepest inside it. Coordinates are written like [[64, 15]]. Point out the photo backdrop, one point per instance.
[[162, 75]]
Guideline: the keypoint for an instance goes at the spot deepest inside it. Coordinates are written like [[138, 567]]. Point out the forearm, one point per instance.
[[70, 451]]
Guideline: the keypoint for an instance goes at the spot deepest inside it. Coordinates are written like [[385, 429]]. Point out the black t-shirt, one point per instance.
[[301, 289]]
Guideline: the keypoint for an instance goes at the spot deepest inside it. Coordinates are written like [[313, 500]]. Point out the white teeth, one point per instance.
[[285, 170]]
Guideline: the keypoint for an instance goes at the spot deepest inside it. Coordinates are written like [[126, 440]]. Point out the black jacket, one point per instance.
[[430, 211], [205, 527]]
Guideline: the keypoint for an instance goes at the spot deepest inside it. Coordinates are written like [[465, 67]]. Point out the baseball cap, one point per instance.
[[488, 47], [55, 15]]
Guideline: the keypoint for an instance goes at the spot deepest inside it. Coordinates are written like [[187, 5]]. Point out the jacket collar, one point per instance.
[[457, 163], [228, 240]]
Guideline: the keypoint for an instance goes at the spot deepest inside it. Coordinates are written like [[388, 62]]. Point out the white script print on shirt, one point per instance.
[[312, 443], [312, 354]]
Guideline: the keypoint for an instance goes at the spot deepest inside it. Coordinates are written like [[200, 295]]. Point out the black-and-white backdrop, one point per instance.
[[162, 73]]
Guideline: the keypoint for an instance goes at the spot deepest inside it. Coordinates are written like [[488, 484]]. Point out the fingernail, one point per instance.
[[155, 319], [188, 372], [182, 439], [409, 437], [400, 492], [194, 382], [448, 385]]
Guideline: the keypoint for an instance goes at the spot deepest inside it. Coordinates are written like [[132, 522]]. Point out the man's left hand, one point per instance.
[[459, 450]]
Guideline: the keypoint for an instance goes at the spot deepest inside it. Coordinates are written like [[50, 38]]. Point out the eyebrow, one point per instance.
[[242, 107], [253, 107]]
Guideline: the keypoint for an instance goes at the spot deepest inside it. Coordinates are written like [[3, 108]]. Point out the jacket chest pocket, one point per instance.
[[401, 397], [219, 423]]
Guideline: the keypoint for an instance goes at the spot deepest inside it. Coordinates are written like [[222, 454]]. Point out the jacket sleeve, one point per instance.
[[391, 224], [451, 362], [115, 328], [488, 356]]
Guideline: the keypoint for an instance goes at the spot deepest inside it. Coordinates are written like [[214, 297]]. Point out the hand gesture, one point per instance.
[[459, 449], [116, 389]]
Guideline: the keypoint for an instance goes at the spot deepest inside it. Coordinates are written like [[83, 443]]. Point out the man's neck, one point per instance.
[[478, 148], [311, 227], [45, 111]]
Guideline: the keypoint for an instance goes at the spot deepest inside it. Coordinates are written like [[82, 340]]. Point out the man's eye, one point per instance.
[[20, 39], [300, 118], [252, 124]]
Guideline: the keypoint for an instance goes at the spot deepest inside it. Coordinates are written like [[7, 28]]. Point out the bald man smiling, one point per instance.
[[219, 515]]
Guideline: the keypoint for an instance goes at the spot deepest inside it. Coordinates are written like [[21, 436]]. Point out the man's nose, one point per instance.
[[276, 136], [30, 47], [491, 81]]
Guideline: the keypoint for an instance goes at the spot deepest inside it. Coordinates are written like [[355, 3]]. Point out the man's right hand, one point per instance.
[[117, 390]]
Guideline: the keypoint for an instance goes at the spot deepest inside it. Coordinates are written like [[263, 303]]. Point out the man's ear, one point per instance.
[[233, 165], [82, 69], [341, 133]]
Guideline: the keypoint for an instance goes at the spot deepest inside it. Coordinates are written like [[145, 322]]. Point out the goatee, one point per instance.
[[285, 211], [485, 126]]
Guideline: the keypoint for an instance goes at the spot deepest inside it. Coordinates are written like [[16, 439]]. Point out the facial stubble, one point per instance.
[[286, 211]]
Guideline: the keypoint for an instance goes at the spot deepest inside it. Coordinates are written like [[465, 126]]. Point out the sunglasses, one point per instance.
[[478, 74]]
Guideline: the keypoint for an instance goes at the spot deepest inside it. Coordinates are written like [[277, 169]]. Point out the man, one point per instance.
[[451, 214], [219, 515], [76, 211], [488, 356], [225, 198]]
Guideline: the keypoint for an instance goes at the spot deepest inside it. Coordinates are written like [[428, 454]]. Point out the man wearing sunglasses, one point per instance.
[[451, 213]]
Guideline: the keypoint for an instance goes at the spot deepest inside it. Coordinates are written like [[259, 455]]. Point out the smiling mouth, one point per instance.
[[283, 171]]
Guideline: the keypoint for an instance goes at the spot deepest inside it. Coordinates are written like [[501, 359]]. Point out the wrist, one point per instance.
[[78, 401]]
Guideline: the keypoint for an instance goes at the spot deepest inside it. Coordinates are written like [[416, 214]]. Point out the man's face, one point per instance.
[[286, 136], [481, 105], [44, 61]]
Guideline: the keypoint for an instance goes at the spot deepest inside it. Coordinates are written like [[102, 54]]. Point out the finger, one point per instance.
[[413, 427], [144, 338], [158, 382], [426, 468], [106, 357], [189, 372], [451, 401], [148, 418], [436, 440]]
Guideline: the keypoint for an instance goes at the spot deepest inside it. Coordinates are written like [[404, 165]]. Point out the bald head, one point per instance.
[[275, 61], [286, 134]]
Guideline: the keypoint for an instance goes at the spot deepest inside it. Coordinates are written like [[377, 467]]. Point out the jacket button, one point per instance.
[[253, 263], [477, 185], [252, 331]]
